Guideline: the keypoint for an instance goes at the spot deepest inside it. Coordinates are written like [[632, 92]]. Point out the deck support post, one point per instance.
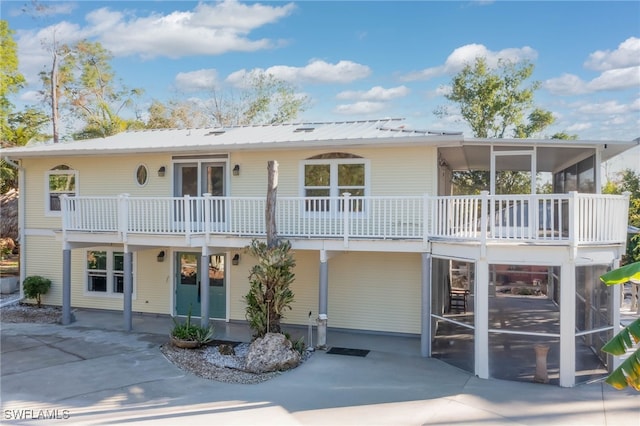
[[127, 289], [481, 309], [425, 336], [204, 289], [567, 324], [323, 298], [66, 286]]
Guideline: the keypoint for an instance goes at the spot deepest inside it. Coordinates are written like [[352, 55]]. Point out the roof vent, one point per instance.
[[215, 133], [304, 129]]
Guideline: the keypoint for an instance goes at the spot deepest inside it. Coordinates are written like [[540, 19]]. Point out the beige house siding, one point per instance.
[[393, 171], [99, 176], [43, 256], [382, 293], [305, 288]]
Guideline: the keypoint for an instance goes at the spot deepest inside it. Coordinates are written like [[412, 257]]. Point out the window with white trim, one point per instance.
[[105, 272], [59, 180], [332, 175]]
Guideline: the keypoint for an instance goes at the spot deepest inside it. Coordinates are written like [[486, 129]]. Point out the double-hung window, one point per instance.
[[61, 180], [329, 176], [105, 272]]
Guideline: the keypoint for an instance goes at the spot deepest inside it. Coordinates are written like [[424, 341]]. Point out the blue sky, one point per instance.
[[360, 60]]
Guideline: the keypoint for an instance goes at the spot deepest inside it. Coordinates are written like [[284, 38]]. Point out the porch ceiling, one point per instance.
[[475, 154]]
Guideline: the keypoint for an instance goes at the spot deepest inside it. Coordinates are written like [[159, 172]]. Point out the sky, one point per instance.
[[357, 60]]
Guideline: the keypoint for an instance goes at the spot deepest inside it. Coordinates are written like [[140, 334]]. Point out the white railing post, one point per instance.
[[346, 207], [187, 215], [426, 223], [207, 215], [484, 207], [65, 215], [574, 222], [123, 215]]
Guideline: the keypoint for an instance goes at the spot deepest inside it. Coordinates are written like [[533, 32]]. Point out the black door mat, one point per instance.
[[348, 351]]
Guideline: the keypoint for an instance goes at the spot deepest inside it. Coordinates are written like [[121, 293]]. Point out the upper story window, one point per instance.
[[59, 180], [332, 175]]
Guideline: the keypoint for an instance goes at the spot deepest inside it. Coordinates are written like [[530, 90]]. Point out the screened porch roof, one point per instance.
[[551, 154]]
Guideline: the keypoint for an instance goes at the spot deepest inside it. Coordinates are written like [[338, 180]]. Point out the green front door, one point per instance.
[[188, 283]]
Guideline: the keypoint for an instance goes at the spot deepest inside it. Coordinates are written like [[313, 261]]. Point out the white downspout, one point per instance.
[[21, 239]]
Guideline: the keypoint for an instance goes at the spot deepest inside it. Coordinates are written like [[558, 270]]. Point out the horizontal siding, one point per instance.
[[152, 281], [367, 291], [305, 288], [406, 171], [96, 176], [43, 256], [375, 291]]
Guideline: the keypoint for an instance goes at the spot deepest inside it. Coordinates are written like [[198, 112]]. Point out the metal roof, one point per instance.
[[298, 135], [459, 152]]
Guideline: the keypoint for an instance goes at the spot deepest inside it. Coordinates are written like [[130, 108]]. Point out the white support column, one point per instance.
[[323, 298], [66, 285], [128, 289], [425, 337], [204, 288], [481, 310], [616, 301], [567, 324]]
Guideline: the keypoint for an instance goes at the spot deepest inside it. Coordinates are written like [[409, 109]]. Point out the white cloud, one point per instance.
[[467, 55], [567, 84], [210, 29], [577, 127], [626, 55], [604, 108], [377, 93], [357, 108], [193, 81], [617, 79], [317, 71]]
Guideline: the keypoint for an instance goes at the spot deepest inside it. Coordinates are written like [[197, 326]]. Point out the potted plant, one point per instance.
[[190, 336]]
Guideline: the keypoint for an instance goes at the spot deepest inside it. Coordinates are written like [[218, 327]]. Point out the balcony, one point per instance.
[[571, 219]]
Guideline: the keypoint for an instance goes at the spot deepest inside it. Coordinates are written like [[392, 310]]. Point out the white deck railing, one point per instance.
[[574, 218]]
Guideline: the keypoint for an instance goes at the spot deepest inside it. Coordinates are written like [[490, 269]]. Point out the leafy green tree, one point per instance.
[[82, 81], [629, 181], [270, 293], [493, 102], [265, 100], [11, 80], [176, 115]]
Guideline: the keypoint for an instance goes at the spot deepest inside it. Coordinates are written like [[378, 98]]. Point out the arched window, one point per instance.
[[330, 175], [60, 180]]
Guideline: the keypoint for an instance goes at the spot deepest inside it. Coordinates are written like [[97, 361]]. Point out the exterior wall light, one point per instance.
[[236, 259], [236, 170], [161, 171], [161, 256]]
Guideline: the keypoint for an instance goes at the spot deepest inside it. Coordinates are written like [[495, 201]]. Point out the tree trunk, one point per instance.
[[54, 96], [270, 209]]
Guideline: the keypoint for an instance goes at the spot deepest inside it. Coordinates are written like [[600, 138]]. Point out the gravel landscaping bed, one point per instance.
[[24, 312]]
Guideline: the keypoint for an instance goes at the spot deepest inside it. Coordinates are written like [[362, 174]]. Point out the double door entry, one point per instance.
[[189, 284]]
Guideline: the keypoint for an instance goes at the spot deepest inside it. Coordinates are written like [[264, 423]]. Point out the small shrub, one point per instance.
[[35, 286], [192, 332]]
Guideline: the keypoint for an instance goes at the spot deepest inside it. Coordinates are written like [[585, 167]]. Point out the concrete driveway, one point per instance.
[[89, 376]]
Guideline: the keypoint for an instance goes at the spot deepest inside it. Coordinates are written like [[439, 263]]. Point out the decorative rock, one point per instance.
[[273, 352], [225, 349]]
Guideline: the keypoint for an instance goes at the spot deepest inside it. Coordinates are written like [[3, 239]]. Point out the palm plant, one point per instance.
[[269, 293], [628, 373]]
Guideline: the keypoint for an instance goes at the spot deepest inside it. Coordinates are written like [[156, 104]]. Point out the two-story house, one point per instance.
[[156, 221]]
